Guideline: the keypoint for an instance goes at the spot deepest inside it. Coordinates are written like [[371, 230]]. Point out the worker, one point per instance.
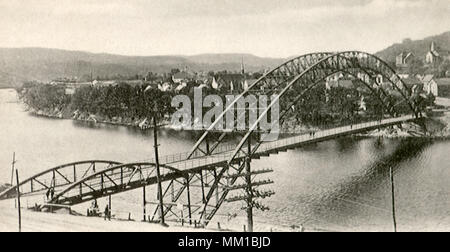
[[107, 212]]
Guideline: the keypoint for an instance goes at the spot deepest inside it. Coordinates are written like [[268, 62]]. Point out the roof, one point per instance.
[[436, 51], [411, 81], [180, 75], [251, 81], [443, 81], [227, 78], [427, 78], [405, 55]]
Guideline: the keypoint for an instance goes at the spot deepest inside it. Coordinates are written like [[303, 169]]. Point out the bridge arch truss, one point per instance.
[[301, 74], [58, 177]]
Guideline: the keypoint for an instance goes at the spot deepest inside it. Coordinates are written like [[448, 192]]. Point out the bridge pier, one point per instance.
[[188, 191]]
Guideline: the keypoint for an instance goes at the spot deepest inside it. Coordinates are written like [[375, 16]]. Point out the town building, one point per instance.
[[179, 77], [436, 55], [430, 86]]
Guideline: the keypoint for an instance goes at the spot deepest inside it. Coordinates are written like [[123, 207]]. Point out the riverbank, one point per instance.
[[142, 124], [437, 125], [62, 222]]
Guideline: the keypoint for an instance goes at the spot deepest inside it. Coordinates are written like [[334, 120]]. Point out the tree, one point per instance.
[[416, 66], [444, 67]]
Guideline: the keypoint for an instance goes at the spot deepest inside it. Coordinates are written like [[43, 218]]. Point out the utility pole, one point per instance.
[[18, 201], [249, 187], [393, 198], [248, 179], [109, 205], [13, 167], [144, 203], [158, 173]]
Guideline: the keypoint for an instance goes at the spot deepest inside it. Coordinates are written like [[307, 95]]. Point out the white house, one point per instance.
[[214, 84], [430, 86], [180, 77], [436, 54], [165, 87]]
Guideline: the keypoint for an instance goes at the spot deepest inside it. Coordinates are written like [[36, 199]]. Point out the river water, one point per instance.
[[339, 185]]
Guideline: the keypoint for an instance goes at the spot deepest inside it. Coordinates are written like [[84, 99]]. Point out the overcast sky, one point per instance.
[[274, 28]]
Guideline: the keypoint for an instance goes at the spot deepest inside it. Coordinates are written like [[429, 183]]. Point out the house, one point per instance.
[[404, 59], [180, 77], [230, 82], [214, 83], [181, 86], [430, 86], [166, 86], [248, 83], [97, 83], [436, 55]]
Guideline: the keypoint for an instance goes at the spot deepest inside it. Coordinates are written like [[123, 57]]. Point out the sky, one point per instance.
[[268, 28]]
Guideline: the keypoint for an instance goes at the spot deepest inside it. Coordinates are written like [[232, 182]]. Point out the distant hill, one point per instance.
[[19, 64], [418, 47]]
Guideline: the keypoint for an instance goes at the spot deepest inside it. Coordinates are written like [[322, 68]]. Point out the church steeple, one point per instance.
[[242, 66], [432, 46]]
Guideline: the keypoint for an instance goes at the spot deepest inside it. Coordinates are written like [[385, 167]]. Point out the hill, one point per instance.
[[19, 64], [418, 47]]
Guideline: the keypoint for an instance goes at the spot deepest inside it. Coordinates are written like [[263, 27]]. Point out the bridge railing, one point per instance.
[[267, 146], [221, 149], [121, 175], [177, 157], [223, 157]]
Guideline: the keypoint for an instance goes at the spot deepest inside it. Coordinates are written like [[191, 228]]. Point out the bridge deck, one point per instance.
[[284, 144]]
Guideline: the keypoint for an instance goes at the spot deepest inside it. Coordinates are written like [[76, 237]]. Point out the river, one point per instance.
[[339, 185]]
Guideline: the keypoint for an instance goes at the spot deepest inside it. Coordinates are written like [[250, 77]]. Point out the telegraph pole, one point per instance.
[[158, 173], [18, 201], [13, 167], [250, 191], [393, 198], [144, 203], [248, 179]]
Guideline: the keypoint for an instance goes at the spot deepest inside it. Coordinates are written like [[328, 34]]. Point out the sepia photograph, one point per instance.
[[224, 116]]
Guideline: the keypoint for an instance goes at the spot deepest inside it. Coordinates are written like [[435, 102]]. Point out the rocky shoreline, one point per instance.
[[143, 124], [437, 126]]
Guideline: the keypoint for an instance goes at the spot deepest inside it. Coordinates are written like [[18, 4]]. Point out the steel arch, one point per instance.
[[294, 67], [57, 177], [343, 63], [340, 62], [276, 77], [291, 70]]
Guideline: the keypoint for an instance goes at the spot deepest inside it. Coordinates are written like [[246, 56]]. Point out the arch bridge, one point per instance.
[[198, 182]]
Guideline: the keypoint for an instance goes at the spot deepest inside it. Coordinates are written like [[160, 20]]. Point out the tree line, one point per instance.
[[320, 107]]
